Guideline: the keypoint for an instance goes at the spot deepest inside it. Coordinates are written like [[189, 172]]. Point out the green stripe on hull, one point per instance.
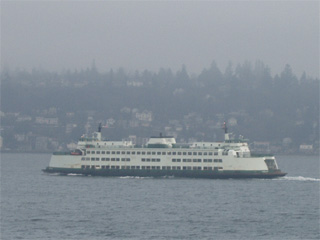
[[161, 173]]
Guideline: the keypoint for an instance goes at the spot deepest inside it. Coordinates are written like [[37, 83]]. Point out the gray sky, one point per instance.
[[142, 35]]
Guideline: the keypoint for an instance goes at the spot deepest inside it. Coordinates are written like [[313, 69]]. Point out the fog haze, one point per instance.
[[153, 35]]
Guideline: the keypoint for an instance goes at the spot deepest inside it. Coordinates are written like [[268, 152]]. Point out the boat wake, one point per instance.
[[137, 177], [134, 177], [74, 174], [300, 178]]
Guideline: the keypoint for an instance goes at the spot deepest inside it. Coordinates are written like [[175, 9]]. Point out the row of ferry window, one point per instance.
[[150, 159], [150, 167], [196, 160], [154, 153], [105, 159]]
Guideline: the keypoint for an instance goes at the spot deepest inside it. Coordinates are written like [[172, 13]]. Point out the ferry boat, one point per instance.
[[162, 156]]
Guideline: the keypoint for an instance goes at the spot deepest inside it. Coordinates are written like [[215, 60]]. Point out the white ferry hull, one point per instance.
[[229, 168], [168, 173]]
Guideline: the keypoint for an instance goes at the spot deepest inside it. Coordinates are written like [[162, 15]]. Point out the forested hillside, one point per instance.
[[282, 109]]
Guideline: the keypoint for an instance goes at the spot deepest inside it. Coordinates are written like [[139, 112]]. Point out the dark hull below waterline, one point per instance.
[[163, 173]]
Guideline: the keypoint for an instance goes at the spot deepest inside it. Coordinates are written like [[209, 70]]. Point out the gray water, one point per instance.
[[35, 205]]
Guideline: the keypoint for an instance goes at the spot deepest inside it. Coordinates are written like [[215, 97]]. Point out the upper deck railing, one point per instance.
[[261, 155]]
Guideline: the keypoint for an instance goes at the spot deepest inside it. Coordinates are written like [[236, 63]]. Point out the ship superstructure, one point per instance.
[[162, 156]]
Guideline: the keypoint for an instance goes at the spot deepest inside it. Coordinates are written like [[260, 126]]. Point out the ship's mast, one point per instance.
[[226, 134], [98, 134]]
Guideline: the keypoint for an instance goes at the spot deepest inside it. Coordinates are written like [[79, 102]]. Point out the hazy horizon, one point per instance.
[[152, 35]]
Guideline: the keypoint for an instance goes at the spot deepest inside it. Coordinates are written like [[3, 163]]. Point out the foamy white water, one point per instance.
[[299, 178], [134, 177], [74, 174]]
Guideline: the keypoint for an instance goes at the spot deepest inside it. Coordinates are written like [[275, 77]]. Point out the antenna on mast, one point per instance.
[[226, 134], [98, 134], [225, 127]]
